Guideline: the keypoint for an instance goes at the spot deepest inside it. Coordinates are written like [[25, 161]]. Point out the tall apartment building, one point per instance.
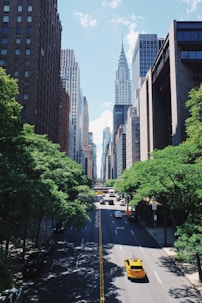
[[176, 70], [146, 49], [30, 48], [70, 74]]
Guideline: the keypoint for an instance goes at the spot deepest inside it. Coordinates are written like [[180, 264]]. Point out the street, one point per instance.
[[72, 272]]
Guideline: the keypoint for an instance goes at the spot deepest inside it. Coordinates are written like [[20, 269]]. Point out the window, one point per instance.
[[17, 62], [25, 97], [6, 8], [17, 51], [5, 19], [27, 51], [26, 74], [2, 62], [16, 74], [29, 29], [27, 62], [29, 9], [29, 19], [18, 30], [28, 41], [3, 51], [26, 83], [4, 40], [5, 29], [19, 8], [19, 19], [18, 41]]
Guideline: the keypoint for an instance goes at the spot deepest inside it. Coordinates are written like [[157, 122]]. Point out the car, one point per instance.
[[132, 217], [134, 268], [118, 214], [102, 201], [59, 227], [111, 202], [12, 295], [33, 264]]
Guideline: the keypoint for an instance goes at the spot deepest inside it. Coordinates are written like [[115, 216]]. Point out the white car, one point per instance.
[[118, 214]]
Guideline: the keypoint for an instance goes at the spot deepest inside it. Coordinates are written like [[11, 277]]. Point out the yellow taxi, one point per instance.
[[134, 269]]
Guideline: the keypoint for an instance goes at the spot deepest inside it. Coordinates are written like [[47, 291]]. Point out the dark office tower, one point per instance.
[[30, 47]]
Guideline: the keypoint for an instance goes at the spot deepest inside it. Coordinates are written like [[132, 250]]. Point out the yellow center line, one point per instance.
[[101, 260]]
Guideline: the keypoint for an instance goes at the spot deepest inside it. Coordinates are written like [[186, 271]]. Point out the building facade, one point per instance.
[[132, 137], [176, 70], [30, 47], [146, 49], [70, 75]]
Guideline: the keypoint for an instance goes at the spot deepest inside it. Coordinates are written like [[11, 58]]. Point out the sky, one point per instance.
[[96, 29]]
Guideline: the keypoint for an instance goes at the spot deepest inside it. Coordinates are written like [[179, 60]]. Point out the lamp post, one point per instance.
[[154, 208]]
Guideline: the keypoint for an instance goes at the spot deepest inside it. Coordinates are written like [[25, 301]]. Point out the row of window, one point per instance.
[[189, 35], [18, 30], [4, 52], [193, 55], [4, 40], [6, 8], [6, 19]]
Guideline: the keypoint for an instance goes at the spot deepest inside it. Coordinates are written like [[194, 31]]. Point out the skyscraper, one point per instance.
[[30, 47], [70, 74], [123, 83], [123, 100], [145, 52]]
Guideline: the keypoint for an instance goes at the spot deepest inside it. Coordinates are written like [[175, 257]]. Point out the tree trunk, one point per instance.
[[199, 266], [38, 230], [165, 226]]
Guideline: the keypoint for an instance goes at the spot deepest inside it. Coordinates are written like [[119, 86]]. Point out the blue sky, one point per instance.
[[95, 30]]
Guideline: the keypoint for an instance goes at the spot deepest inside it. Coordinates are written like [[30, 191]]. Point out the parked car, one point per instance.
[[47, 246], [102, 201], [12, 295], [59, 227], [118, 214], [33, 264], [134, 269], [111, 202]]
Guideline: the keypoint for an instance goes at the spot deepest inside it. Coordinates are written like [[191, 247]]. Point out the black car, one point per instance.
[[132, 217], [33, 264], [111, 202]]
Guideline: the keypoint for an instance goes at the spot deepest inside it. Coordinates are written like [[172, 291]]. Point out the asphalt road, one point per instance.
[[72, 271]]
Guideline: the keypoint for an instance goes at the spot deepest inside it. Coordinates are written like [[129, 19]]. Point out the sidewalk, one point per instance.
[[158, 235]]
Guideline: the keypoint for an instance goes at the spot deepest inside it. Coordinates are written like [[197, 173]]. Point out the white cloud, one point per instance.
[[96, 127], [86, 20], [192, 5], [112, 4]]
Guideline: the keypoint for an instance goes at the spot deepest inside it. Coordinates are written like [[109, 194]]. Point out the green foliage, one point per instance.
[[194, 122], [110, 183], [189, 239], [10, 122]]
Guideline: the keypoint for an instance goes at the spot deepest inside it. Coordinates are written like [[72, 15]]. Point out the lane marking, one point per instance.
[[101, 260], [157, 277], [120, 247], [132, 232]]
